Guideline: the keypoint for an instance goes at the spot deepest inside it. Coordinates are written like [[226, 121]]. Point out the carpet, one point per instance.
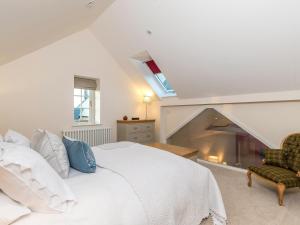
[[257, 205]]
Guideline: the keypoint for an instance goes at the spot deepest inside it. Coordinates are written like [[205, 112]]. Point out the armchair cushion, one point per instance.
[[275, 157], [278, 175]]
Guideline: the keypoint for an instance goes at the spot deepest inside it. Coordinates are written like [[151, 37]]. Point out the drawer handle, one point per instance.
[[135, 128]]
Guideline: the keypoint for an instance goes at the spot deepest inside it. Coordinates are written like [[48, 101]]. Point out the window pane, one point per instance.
[[83, 108], [161, 77], [85, 102], [86, 93], [164, 82], [77, 91], [85, 115], [77, 101], [76, 114]]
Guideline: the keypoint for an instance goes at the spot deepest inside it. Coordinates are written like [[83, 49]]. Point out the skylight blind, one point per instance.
[[85, 83], [153, 67]]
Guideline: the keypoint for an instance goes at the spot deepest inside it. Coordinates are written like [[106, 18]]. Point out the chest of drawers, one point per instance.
[[139, 131]]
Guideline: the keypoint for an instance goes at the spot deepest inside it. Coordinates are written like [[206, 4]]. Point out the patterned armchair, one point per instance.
[[281, 166]]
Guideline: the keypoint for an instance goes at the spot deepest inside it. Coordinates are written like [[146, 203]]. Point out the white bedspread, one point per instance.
[[141, 186], [103, 199], [172, 190]]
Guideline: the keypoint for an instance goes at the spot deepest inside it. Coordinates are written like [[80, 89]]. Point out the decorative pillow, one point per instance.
[[53, 150], [275, 157], [16, 138], [80, 155], [11, 210], [27, 178], [36, 138]]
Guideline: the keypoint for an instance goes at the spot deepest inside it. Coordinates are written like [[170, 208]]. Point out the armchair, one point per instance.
[[280, 166]]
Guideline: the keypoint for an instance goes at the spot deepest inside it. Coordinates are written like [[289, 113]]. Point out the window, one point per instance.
[[164, 83], [86, 102], [83, 105], [160, 78]]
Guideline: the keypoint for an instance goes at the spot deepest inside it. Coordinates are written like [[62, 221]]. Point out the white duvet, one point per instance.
[[103, 199], [173, 190], [139, 185]]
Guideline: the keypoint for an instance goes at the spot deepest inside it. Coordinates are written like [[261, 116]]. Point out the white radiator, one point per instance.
[[92, 136]]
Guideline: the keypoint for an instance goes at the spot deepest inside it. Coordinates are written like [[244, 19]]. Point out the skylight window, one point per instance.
[[164, 83], [160, 78]]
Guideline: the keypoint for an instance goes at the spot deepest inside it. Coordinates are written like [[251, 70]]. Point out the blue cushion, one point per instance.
[[81, 156]]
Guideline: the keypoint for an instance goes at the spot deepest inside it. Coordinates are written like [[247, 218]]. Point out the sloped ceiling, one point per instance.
[[28, 25], [209, 47]]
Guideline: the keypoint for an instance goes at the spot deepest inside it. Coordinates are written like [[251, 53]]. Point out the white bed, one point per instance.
[[139, 185]]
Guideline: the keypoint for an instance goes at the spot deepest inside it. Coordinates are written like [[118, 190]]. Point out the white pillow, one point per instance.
[[11, 210], [16, 138], [51, 147], [27, 178]]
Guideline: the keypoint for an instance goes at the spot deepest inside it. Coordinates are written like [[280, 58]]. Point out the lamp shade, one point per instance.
[[147, 99]]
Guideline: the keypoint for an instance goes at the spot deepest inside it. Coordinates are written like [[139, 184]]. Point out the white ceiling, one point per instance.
[[27, 25], [209, 47]]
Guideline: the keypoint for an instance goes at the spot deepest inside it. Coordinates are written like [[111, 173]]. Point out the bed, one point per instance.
[[139, 185]]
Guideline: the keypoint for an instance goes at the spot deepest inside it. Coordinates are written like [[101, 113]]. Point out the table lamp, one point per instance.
[[147, 100]]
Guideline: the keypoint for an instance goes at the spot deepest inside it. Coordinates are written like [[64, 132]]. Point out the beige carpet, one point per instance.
[[256, 205]]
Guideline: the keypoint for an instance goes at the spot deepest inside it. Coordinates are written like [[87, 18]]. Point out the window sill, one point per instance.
[[168, 95]]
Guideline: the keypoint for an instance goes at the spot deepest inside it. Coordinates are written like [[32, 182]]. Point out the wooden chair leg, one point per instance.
[[249, 173], [280, 190]]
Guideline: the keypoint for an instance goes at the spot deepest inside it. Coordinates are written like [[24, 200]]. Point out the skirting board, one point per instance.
[[201, 161]]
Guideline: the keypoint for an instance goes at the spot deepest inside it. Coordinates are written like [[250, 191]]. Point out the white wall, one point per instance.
[[209, 48], [268, 122], [36, 91], [215, 52]]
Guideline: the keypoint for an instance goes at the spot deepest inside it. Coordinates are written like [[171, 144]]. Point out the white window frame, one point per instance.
[[92, 108], [154, 82], [163, 86]]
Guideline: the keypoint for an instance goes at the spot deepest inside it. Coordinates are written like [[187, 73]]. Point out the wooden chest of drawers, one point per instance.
[[140, 131]]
